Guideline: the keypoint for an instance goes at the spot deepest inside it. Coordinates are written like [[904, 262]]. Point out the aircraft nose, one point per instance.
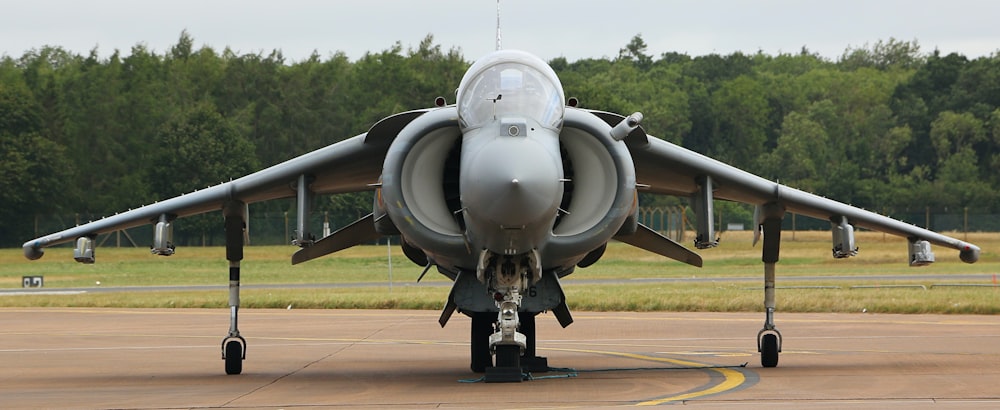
[[513, 182]]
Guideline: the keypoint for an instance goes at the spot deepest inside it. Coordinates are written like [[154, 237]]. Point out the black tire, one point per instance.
[[234, 357], [479, 342], [528, 330], [508, 356], [769, 350]]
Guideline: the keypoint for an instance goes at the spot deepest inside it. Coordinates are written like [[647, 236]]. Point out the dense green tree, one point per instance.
[[624, 88], [956, 189], [977, 87], [314, 103], [884, 126], [740, 122], [635, 52], [801, 157], [918, 101], [994, 155], [34, 168], [883, 55], [952, 133], [19, 113], [198, 148]]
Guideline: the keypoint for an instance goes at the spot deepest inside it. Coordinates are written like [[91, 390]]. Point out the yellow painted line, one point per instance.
[[731, 379]]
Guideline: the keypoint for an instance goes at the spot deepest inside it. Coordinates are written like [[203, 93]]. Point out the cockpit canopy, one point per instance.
[[510, 83]]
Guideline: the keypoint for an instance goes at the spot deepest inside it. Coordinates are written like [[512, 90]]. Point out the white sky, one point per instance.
[[548, 28]]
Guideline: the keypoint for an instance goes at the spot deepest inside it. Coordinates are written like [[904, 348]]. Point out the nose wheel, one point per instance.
[[508, 367]]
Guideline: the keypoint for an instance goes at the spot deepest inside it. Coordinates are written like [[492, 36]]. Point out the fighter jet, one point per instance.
[[505, 192]]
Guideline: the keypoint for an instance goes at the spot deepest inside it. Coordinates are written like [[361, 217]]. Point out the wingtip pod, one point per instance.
[[969, 253], [33, 252]]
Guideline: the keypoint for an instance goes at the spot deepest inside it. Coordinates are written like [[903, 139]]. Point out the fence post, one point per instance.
[[793, 227]]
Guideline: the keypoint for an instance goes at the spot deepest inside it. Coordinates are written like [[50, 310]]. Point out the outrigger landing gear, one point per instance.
[[234, 346], [769, 339]]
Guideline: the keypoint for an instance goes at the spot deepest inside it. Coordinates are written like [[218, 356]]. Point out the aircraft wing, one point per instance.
[[670, 169], [350, 165]]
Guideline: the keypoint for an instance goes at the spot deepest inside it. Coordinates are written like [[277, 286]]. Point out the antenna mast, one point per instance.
[[498, 26]]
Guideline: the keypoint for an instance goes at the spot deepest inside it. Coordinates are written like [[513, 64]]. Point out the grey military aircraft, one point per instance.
[[505, 192]]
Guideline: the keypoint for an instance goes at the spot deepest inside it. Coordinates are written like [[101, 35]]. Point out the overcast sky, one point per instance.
[[548, 28]]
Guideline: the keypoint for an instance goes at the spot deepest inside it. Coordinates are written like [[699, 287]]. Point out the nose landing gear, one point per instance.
[[507, 343], [506, 277]]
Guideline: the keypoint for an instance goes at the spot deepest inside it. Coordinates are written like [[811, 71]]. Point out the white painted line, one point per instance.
[[43, 293]]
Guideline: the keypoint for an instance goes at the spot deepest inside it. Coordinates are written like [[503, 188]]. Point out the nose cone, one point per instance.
[[512, 182]]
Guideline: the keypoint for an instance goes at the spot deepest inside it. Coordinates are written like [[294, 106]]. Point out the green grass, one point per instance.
[[334, 298], [204, 266], [806, 255], [740, 298]]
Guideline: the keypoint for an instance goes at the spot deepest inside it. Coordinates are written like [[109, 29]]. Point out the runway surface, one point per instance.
[[159, 359]]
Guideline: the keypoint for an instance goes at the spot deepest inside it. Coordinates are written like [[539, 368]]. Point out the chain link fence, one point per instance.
[[673, 221]]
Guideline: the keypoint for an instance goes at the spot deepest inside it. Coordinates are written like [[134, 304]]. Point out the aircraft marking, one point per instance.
[[723, 379]]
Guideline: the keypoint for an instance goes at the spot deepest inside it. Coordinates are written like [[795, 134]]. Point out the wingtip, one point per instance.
[[695, 261], [32, 251], [298, 257], [969, 253]]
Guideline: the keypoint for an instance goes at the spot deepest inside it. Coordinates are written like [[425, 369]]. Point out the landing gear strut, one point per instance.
[[769, 339], [234, 346], [507, 343], [506, 277]]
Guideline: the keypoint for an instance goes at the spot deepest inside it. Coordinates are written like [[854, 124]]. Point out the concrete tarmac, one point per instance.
[[166, 359]]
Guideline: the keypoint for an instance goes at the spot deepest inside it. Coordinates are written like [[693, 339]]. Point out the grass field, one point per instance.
[[805, 260]]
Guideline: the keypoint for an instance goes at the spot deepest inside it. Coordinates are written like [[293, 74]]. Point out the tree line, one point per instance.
[[885, 126]]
